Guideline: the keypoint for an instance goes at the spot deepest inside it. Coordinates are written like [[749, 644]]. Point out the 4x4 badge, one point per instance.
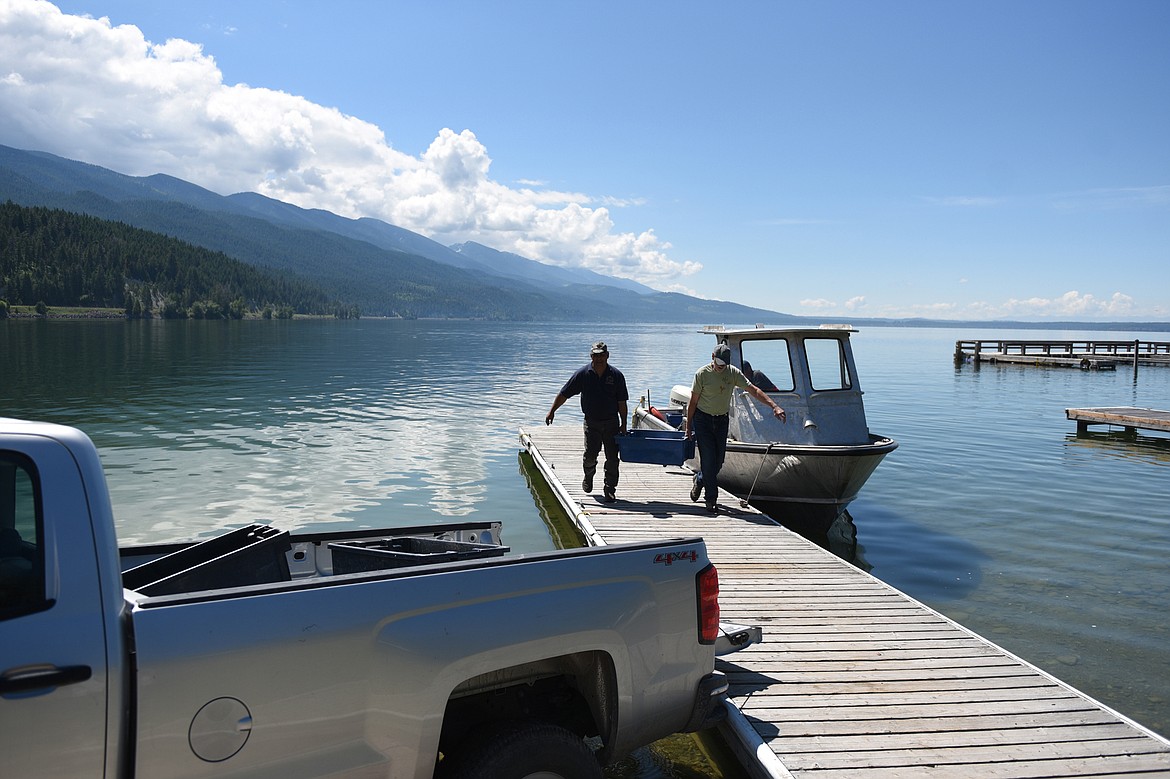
[[668, 558]]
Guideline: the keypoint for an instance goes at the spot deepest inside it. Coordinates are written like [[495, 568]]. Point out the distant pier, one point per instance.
[[1083, 354]]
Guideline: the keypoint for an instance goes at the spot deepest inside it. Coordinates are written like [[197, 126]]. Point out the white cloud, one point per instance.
[[84, 89], [1071, 305]]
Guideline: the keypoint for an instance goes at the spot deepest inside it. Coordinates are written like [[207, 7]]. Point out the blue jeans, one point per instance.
[[711, 439], [600, 434]]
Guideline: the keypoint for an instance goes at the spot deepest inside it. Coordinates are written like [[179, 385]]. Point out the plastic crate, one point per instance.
[[403, 551], [657, 447]]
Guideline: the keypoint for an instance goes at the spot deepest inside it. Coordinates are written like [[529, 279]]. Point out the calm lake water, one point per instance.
[[992, 511]]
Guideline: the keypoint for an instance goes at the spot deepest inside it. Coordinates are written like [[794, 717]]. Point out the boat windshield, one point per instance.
[[827, 366], [766, 364]]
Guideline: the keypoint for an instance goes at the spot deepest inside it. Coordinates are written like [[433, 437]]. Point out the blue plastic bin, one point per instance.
[[657, 447]]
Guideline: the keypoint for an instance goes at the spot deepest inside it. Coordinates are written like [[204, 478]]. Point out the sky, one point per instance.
[[838, 158]]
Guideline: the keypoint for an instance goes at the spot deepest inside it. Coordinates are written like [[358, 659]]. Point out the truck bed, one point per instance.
[[262, 554]]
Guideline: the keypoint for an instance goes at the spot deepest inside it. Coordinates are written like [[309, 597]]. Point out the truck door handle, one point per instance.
[[42, 676]]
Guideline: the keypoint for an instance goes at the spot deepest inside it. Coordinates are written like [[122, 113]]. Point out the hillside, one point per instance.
[[380, 268], [65, 259]]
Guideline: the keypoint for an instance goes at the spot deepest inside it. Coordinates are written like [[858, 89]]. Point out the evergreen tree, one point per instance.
[[59, 258]]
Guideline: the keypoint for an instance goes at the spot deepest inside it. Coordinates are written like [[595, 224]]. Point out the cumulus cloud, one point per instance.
[[1072, 304], [85, 89]]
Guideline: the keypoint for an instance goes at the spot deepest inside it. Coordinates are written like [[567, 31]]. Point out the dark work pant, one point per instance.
[[711, 438], [600, 434]]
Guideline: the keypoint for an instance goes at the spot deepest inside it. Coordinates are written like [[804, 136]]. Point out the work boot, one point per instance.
[[712, 509], [587, 483], [610, 494], [696, 488]]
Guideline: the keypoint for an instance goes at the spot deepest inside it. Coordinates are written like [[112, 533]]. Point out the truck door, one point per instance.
[[53, 673]]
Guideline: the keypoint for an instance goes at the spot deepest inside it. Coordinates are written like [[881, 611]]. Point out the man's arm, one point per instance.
[[762, 396], [622, 414], [689, 422], [558, 401]]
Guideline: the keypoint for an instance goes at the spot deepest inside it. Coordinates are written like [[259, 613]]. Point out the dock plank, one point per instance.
[[854, 678]]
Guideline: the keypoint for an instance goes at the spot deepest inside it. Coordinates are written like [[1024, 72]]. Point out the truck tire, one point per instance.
[[522, 750]]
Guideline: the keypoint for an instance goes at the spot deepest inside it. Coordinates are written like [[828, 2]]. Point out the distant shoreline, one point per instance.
[[78, 313], [67, 312], [97, 313]]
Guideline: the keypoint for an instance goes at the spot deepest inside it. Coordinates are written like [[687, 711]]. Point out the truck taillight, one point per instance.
[[707, 584]]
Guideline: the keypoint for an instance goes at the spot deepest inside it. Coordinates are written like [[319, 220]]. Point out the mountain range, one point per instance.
[[386, 270], [383, 269]]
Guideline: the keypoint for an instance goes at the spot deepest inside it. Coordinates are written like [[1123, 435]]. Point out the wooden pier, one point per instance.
[[1083, 354], [1127, 417], [853, 678]]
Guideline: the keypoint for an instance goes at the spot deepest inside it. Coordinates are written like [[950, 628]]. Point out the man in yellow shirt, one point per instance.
[[707, 418]]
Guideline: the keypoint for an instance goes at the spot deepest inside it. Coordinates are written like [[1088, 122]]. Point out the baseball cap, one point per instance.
[[722, 354], [599, 348]]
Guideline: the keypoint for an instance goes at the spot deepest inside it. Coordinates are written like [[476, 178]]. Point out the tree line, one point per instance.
[[55, 258]]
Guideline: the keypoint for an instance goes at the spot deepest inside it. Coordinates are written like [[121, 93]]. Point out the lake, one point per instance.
[[992, 510]]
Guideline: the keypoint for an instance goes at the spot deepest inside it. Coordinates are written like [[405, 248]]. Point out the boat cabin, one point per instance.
[[810, 372]]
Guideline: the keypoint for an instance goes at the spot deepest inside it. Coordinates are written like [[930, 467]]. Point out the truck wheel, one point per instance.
[[524, 750]]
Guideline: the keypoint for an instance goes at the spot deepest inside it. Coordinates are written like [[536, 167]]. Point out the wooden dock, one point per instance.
[[853, 678], [1127, 417], [1095, 355]]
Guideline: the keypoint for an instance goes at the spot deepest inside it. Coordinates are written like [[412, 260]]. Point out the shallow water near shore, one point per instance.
[[992, 510]]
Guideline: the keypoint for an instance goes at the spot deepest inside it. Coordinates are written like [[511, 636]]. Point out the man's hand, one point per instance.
[[549, 418]]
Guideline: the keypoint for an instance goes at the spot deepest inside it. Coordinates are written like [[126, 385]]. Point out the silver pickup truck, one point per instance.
[[374, 654]]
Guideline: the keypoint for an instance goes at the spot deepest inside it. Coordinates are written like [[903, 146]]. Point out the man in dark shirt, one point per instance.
[[603, 401]]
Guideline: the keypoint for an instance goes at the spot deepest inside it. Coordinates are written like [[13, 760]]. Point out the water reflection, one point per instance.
[[915, 558], [1149, 449], [204, 426]]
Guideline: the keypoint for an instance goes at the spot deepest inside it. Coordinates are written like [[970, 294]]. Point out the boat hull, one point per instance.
[[818, 482], [793, 480]]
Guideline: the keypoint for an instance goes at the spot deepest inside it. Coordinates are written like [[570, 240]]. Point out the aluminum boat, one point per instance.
[[812, 465]]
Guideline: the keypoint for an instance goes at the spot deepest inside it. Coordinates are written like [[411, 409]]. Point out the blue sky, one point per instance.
[[953, 160]]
